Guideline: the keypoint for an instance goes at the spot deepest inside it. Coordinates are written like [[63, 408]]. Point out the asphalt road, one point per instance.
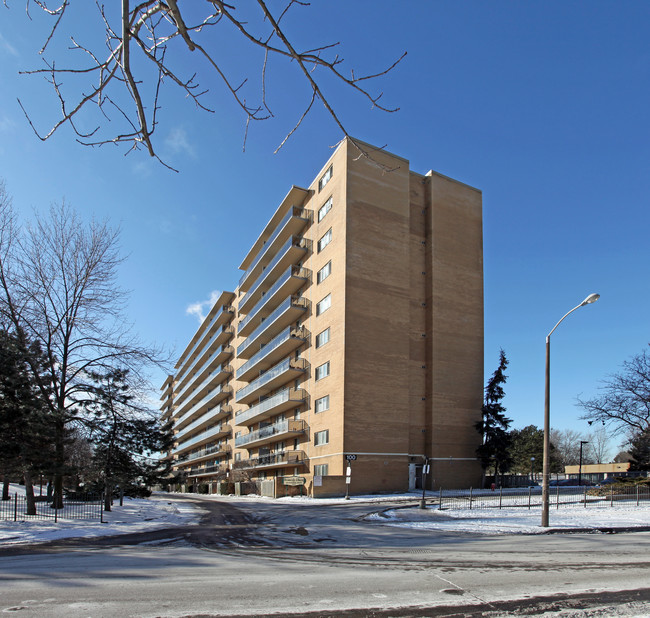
[[262, 558]]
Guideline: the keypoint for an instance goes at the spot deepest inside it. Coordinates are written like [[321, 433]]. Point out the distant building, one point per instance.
[[356, 330]]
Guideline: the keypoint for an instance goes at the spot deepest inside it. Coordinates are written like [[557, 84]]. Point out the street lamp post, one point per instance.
[[592, 298], [582, 443], [532, 470]]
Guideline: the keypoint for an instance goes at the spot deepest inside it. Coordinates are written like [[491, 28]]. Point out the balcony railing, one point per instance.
[[216, 413], [298, 303], [220, 355], [226, 311], [271, 432], [213, 451], [285, 399], [206, 470], [212, 432], [286, 458], [213, 396], [288, 282], [291, 252], [299, 215], [273, 378], [289, 339], [225, 332]]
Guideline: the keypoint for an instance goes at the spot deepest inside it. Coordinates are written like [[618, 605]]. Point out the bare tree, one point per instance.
[[124, 73], [58, 287], [624, 401], [600, 445], [567, 447]]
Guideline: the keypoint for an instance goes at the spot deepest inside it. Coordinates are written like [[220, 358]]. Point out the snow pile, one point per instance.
[[515, 520]]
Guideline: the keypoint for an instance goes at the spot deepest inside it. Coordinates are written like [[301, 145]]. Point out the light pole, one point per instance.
[[582, 443], [592, 298], [532, 470]]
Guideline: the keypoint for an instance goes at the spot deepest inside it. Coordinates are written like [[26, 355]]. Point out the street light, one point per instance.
[[592, 298], [582, 443]]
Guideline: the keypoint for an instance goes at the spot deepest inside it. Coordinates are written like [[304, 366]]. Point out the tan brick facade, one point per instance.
[[381, 358]]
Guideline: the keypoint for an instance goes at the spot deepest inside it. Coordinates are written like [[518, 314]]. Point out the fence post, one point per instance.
[[101, 508], [470, 498], [530, 492], [441, 498], [557, 497], [56, 510], [15, 507], [585, 496], [637, 495], [611, 496], [500, 496]]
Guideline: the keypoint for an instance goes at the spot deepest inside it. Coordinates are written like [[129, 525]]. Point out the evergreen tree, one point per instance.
[[126, 436], [640, 451], [25, 428], [493, 426], [529, 442]]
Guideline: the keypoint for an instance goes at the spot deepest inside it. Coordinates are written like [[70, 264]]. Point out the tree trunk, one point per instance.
[[5, 487], [108, 495], [29, 493], [59, 464]]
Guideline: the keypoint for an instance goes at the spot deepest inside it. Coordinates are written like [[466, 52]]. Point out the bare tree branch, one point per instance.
[[152, 28]]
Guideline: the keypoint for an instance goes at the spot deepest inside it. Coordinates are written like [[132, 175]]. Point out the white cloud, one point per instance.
[[202, 307], [8, 47], [178, 142]]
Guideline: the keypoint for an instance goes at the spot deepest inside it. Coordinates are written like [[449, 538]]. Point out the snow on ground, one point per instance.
[[159, 511], [136, 515], [517, 520]]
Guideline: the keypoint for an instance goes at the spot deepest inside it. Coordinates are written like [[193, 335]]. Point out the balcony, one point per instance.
[[271, 433], [215, 413], [287, 313], [288, 283], [276, 376], [218, 357], [284, 400], [208, 471], [213, 433], [293, 223], [219, 450], [224, 315], [280, 346], [290, 253], [211, 399], [225, 333], [274, 460]]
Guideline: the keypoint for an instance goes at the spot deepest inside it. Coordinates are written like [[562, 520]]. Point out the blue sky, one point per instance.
[[544, 106]]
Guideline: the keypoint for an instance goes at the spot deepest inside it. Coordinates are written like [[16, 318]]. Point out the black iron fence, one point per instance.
[[89, 506], [531, 497]]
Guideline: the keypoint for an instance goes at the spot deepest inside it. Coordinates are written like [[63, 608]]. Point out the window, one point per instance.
[[324, 272], [320, 470], [324, 304], [321, 437], [324, 209], [325, 178], [322, 338], [325, 240], [322, 404], [237, 456], [322, 371]]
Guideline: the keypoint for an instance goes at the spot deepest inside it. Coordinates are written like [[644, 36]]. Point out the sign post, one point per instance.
[[425, 471], [348, 474]]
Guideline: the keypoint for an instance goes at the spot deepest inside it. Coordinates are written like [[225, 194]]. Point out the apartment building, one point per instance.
[[355, 333]]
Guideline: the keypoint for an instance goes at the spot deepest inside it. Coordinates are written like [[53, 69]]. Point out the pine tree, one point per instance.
[[640, 451], [126, 436], [25, 428], [493, 426]]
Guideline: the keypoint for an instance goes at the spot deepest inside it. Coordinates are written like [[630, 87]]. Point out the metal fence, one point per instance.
[[531, 497], [80, 507]]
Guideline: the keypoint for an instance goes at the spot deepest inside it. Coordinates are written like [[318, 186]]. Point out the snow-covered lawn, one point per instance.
[[159, 511]]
